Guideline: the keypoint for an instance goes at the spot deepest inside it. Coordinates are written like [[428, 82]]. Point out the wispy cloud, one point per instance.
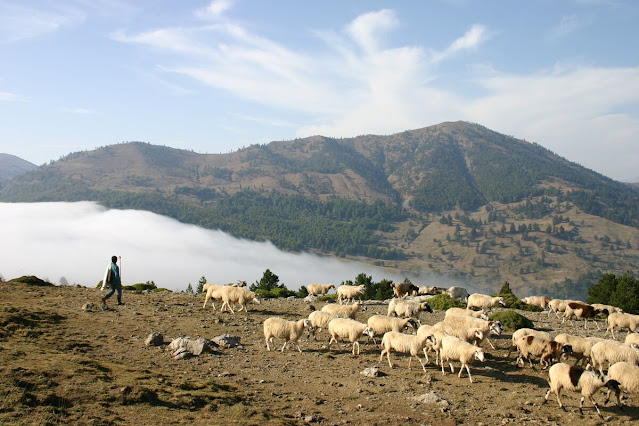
[[21, 22], [215, 9], [11, 97], [81, 111]]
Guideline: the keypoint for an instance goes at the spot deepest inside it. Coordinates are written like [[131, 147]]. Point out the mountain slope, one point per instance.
[[11, 166], [456, 198]]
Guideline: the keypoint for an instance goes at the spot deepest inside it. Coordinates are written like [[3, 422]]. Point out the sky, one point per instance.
[[76, 241], [217, 76]]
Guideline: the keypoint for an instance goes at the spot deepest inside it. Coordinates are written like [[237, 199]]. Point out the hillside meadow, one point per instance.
[[62, 364]]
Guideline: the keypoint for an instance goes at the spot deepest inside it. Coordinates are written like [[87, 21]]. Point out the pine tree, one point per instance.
[[200, 284]]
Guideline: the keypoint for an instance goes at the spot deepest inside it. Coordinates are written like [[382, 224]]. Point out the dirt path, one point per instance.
[[60, 364]]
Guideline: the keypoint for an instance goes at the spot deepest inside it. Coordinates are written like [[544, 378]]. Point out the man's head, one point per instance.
[[114, 259]]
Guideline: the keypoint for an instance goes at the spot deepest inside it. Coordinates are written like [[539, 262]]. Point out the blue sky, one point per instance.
[[217, 76]]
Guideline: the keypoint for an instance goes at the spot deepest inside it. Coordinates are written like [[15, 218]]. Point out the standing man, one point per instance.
[[112, 280]]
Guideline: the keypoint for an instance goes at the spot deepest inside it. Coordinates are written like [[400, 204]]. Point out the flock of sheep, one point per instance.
[[459, 337]]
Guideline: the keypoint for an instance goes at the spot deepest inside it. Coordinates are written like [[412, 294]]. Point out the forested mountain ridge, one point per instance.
[[378, 197]]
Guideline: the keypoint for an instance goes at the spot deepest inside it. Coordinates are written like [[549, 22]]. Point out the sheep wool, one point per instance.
[[344, 311], [319, 289], [290, 331], [453, 349], [382, 324], [404, 343], [611, 351], [349, 292], [237, 295], [483, 301], [319, 321], [349, 329], [628, 377], [622, 320], [460, 312]]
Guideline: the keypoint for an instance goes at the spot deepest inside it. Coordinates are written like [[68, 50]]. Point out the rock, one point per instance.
[[195, 347], [227, 341], [433, 398], [89, 307], [154, 339], [370, 372], [310, 298]]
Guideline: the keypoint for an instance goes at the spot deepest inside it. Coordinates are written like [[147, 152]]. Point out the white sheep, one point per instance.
[[484, 301], [466, 312], [237, 284], [213, 291], [474, 335], [404, 343], [632, 339], [541, 301], [457, 292], [628, 377], [319, 289], [611, 351], [349, 292], [290, 331], [382, 324], [453, 349], [320, 320], [237, 295], [428, 330], [546, 350], [429, 290], [346, 328], [407, 308], [488, 327], [517, 334], [622, 320], [609, 308], [344, 311], [581, 346], [562, 375], [558, 305]]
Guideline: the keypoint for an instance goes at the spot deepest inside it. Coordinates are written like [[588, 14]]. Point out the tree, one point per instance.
[[200, 284], [63, 281], [189, 289], [268, 282], [622, 292]]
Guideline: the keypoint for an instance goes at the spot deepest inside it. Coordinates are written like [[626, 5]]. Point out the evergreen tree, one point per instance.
[[200, 284], [189, 289]]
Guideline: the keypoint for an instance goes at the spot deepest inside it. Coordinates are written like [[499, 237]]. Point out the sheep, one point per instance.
[[346, 328], [545, 349], [632, 340], [610, 308], [319, 289], [473, 335], [541, 301], [404, 343], [344, 311], [457, 293], [429, 290], [562, 375], [382, 324], [404, 289], [483, 301], [453, 349], [582, 310], [622, 320], [611, 351], [517, 334], [290, 331], [349, 292], [407, 308], [213, 291], [320, 320], [236, 284], [628, 377], [488, 327], [237, 295], [426, 330], [558, 305], [581, 346], [466, 312]]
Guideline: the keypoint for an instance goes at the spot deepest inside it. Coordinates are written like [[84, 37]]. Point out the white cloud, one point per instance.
[[215, 9], [76, 240], [365, 29], [20, 22], [10, 97], [476, 35]]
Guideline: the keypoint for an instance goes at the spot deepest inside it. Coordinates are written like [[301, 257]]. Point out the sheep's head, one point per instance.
[[484, 315], [479, 354], [612, 384], [478, 334], [330, 286], [412, 323], [368, 331], [431, 340], [496, 328], [241, 284], [256, 300], [309, 325], [501, 301], [426, 307], [566, 349]]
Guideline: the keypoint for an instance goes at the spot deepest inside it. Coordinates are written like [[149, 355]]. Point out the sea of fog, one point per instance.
[[73, 243]]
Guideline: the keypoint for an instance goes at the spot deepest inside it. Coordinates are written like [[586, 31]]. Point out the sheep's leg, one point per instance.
[[490, 343], [298, 347], [331, 340], [441, 361], [388, 358], [268, 348], [410, 358], [228, 305], [420, 361], [355, 343], [452, 369], [469, 376], [426, 356], [284, 346]]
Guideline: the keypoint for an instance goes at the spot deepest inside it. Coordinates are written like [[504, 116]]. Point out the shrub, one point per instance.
[[330, 298], [31, 280], [512, 320], [274, 293], [141, 286], [441, 302], [513, 302]]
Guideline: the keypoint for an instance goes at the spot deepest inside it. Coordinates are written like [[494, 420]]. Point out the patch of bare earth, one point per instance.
[[60, 364]]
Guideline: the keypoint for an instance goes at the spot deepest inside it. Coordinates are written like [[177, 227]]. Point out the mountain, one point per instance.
[[12, 166], [456, 199]]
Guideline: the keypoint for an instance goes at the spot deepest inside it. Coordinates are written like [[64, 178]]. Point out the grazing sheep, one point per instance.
[[319, 289], [453, 349], [562, 375], [474, 335], [582, 310], [404, 289], [429, 330], [382, 324], [545, 349], [429, 290], [558, 305], [628, 377], [622, 320], [457, 292], [346, 328], [344, 311], [237, 284], [407, 308], [541, 301], [488, 327], [517, 334], [632, 339], [320, 320], [290, 331], [213, 291], [609, 308], [581, 346], [612, 352], [404, 343], [237, 295], [460, 312], [483, 301], [349, 292]]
